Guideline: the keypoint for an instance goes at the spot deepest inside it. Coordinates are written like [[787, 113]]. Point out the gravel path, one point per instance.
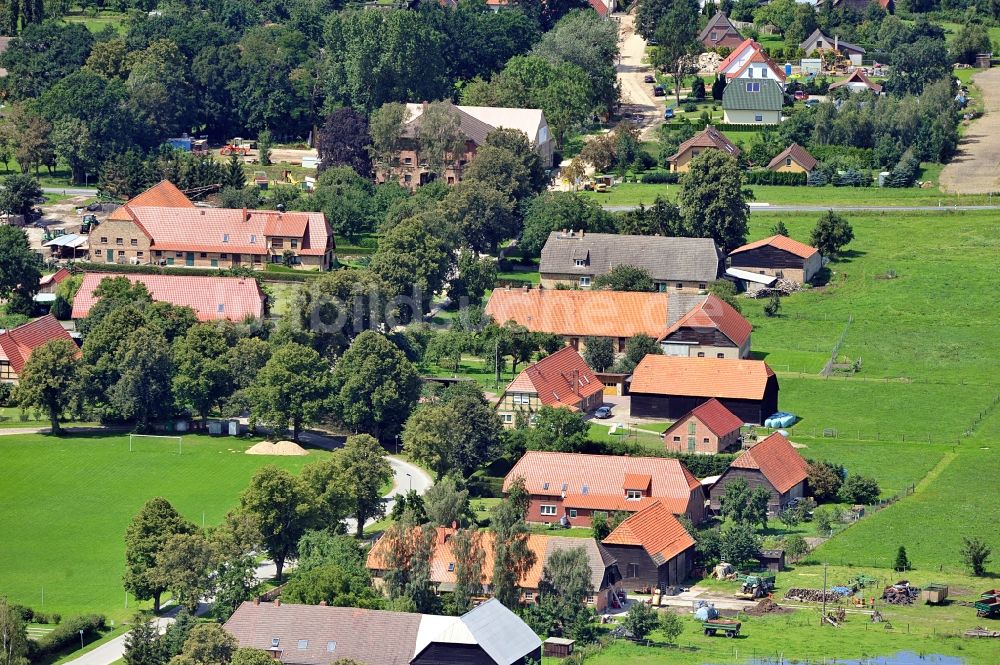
[[976, 167], [637, 97]]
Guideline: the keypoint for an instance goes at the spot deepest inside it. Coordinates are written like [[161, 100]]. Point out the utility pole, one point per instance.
[[823, 618]]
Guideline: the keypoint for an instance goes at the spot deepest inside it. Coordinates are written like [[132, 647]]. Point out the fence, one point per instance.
[[836, 347]]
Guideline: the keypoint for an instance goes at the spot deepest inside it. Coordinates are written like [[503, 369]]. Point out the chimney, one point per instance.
[[454, 524], [277, 602], [256, 600]]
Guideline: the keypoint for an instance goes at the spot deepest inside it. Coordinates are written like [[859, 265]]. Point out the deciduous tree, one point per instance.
[[147, 535], [832, 233], [48, 378], [183, 567], [364, 466], [599, 353], [467, 547], [13, 635], [512, 558], [447, 502], [344, 141], [713, 201], [204, 372], [292, 388], [143, 392], [975, 554], [283, 507], [624, 277]]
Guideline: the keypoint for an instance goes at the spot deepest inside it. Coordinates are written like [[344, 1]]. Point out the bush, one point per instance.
[[852, 178], [660, 178], [41, 617], [290, 276], [6, 392], [904, 174], [690, 107], [860, 490]]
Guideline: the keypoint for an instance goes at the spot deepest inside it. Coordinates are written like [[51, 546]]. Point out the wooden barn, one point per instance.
[[773, 464], [778, 256], [668, 387], [708, 429], [653, 549]]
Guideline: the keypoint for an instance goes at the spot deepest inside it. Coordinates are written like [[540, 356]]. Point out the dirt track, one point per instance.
[[637, 97], [976, 167]]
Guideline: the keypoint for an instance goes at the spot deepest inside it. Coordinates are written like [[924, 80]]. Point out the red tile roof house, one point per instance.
[[857, 82], [211, 298], [709, 139], [668, 387], [162, 227], [48, 283], [562, 380], [318, 635], [708, 429], [571, 487], [653, 549], [604, 573], [778, 256], [711, 329], [793, 159], [17, 344], [773, 464], [748, 60]]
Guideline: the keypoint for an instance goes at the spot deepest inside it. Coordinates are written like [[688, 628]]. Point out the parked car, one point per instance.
[[800, 95], [603, 412], [668, 113], [658, 91], [812, 102], [649, 78], [601, 188]]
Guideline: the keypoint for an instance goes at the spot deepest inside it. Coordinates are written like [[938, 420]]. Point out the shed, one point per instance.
[[557, 647], [934, 593], [773, 561]]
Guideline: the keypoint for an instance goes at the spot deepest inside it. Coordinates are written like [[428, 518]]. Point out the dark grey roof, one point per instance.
[[817, 34], [666, 259], [598, 557], [500, 632], [718, 22], [766, 95]]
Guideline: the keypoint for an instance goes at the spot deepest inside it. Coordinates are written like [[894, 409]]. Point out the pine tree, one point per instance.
[[902, 561], [234, 176]]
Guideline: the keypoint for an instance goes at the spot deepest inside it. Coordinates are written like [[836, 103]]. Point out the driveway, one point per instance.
[[976, 167], [638, 103]]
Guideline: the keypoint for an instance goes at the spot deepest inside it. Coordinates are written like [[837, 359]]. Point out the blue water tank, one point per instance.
[[788, 69]]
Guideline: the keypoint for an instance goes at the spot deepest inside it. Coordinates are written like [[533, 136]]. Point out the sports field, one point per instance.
[[66, 503]]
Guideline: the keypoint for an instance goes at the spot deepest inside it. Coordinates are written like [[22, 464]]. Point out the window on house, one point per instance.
[[633, 495], [580, 263], [202, 255], [104, 240], [253, 239], [331, 646], [702, 285], [547, 509], [179, 255], [303, 645], [407, 178], [712, 36], [788, 161], [565, 487], [705, 440], [275, 641], [223, 256], [590, 600], [529, 595], [407, 160], [119, 241], [584, 281], [121, 252], [691, 427], [572, 512], [585, 490], [679, 286], [661, 287], [225, 237], [139, 253], [294, 243], [753, 86], [701, 354], [632, 570], [758, 118], [677, 438], [133, 242], [720, 355], [221, 309], [277, 243], [508, 417], [451, 566]]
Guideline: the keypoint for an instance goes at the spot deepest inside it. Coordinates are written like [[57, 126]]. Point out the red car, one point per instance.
[[800, 95]]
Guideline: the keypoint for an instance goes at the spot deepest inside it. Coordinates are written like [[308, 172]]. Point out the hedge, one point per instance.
[[766, 177], [67, 634], [660, 178], [259, 275]]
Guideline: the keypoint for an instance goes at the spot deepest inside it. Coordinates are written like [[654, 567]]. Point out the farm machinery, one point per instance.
[[727, 627], [988, 605], [756, 586]]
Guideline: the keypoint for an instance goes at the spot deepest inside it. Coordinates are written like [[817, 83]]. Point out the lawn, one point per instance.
[[67, 502], [99, 22], [797, 635], [632, 194], [282, 294]]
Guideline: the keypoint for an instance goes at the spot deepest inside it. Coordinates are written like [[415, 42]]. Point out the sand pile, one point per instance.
[[765, 606], [279, 448]]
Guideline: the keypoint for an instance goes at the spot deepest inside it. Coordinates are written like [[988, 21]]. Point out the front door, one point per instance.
[[189, 259], [111, 256], [690, 444], [236, 259]]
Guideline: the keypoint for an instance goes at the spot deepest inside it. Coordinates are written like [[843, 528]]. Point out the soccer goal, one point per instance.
[[135, 441]]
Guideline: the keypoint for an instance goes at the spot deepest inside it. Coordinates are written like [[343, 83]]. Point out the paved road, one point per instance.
[[975, 169], [638, 102], [824, 208], [71, 191], [113, 650]]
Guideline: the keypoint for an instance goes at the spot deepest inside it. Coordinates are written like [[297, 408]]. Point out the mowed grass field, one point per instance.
[[67, 501]]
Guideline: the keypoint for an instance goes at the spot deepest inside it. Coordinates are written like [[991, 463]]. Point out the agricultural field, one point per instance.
[[67, 502]]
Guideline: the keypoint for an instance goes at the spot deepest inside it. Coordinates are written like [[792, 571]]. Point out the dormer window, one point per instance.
[[253, 240], [633, 495], [225, 237], [303, 645], [331, 646], [580, 263], [274, 642], [585, 490], [451, 566], [545, 486], [222, 308], [753, 87]]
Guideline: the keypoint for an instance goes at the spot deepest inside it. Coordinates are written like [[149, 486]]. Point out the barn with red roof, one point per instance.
[[778, 256], [707, 429], [652, 548], [712, 329], [773, 464], [17, 344]]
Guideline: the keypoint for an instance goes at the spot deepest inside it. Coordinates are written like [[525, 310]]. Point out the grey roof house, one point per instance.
[[818, 41], [752, 101], [318, 635], [675, 264]]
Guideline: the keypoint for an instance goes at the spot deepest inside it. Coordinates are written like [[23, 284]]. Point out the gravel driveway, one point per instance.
[[976, 167]]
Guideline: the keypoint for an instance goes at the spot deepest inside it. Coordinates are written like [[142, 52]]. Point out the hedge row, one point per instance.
[[67, 634], [766, 177], [660, 178], [260, 275]]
